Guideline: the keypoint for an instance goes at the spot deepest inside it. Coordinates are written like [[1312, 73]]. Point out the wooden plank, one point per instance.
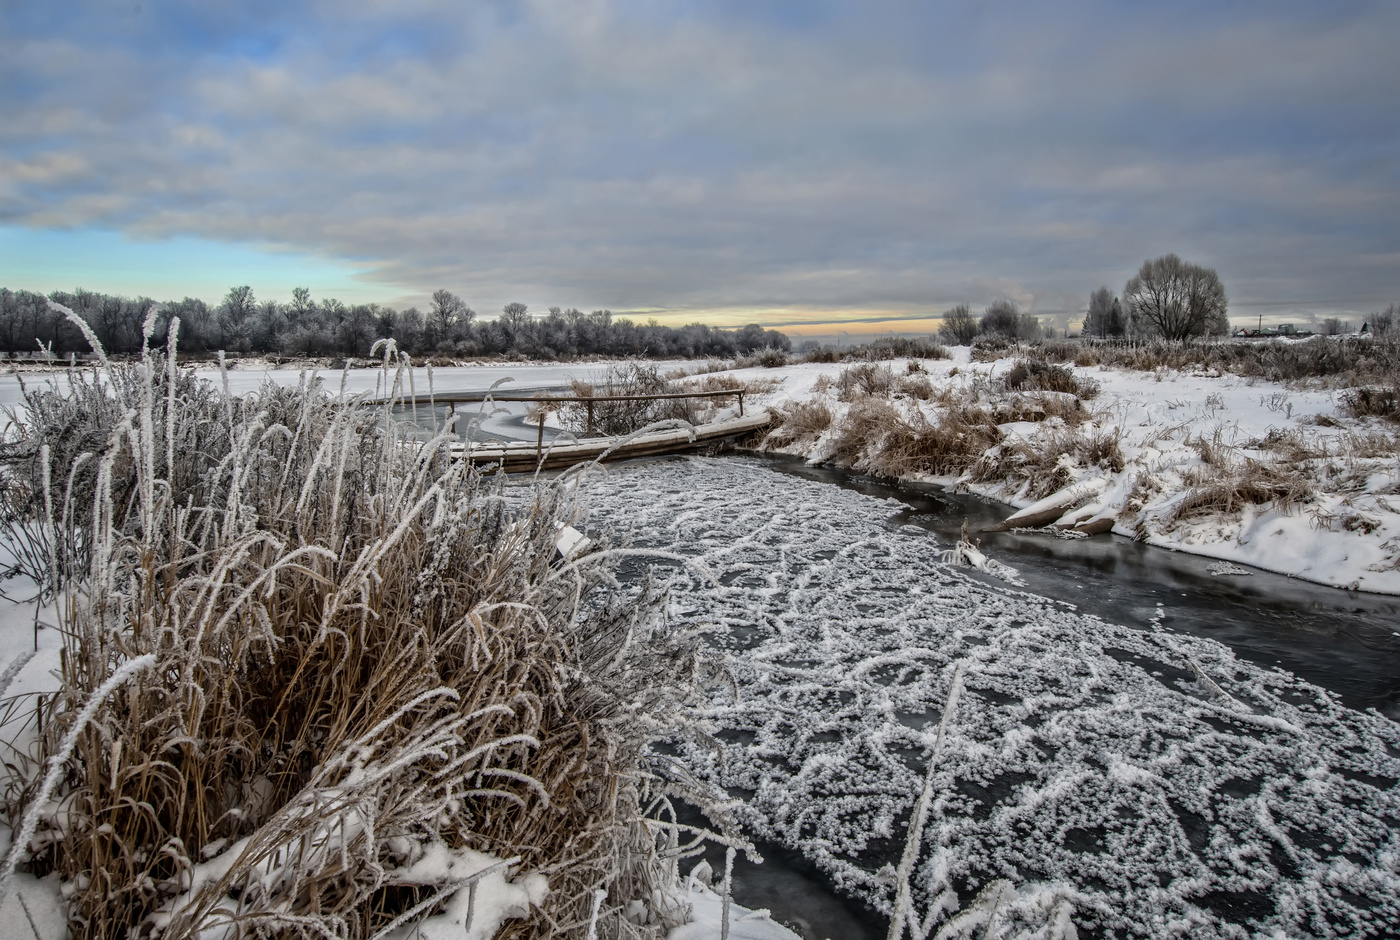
[[524, 457]]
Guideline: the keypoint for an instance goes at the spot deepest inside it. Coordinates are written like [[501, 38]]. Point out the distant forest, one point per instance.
[[303, 327]]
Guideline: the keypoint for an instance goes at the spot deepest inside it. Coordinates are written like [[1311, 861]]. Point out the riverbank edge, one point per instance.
[[1322, 539]]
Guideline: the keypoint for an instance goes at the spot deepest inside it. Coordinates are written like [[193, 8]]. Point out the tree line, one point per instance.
[[1167, 299], [303, 327]]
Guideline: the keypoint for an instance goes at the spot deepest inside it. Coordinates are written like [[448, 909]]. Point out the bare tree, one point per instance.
[[959, 327], [1176, 300], [515, 316], [1333, 326], [444, 314]]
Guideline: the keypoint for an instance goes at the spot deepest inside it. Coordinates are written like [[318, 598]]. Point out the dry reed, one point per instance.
[[1226, 490], [875, 438], [359, 651], [799, 423]]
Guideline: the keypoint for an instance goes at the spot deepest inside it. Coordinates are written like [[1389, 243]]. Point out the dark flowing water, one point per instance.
[[1345, 641]]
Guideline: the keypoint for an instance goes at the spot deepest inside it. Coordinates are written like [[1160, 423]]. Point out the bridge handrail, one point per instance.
[[452, 401], [458, 399]]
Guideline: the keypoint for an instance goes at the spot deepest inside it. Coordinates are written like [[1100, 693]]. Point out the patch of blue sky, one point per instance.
[[169, 269], [254, 29]]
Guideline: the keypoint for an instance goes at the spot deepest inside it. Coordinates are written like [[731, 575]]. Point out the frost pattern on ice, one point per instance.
[[1226, 568], [1089, 764]]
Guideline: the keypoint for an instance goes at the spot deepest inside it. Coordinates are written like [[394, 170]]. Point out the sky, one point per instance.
[[815, 166]]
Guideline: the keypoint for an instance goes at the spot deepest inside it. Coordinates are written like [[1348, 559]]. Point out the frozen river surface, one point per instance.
[[1143, 782]]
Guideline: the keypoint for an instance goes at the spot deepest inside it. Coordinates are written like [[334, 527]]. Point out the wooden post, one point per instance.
[[539, 440], [589, 432], [741, 404]]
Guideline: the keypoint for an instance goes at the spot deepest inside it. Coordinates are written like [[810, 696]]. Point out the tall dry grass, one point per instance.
[[1049, 462], [1039, 375], [799, 423], [297, 641], [1223, 490], [873, 436], [1339, 362]]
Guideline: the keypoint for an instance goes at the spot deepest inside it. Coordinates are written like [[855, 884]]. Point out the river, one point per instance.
[[1140, 747]]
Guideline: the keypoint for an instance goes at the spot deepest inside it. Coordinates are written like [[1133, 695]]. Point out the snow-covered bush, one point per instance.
[[1373, 402], [304, 657]]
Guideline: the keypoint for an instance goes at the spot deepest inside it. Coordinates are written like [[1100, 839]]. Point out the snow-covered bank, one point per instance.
[[1240, 469]]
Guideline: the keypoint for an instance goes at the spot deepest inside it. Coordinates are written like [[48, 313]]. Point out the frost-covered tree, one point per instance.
[[1175, 300], [444, 316], [1001, 318], [1384, 324], [1105, 316], [303, 327], [302, 305], [959, 327], [236, 318]]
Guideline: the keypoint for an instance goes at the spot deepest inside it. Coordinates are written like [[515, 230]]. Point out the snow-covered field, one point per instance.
[[1179, 433], [1140, 782], [503, 421]]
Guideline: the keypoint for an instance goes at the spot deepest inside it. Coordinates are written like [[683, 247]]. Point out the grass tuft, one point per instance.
[[1036, 374]]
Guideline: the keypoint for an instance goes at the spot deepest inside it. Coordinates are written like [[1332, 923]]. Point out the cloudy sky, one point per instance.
[[843, 165]]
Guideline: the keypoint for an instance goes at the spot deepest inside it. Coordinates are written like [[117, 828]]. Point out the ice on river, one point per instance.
[[1151, 781]]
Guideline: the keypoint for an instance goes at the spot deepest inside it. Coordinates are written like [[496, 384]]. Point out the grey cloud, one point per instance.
[[592, 158]]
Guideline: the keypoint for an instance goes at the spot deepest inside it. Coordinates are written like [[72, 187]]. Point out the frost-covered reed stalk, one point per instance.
[[352, 649], [903, 901]]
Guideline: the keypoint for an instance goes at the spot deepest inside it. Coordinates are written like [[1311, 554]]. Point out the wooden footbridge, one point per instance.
[[566, 451]]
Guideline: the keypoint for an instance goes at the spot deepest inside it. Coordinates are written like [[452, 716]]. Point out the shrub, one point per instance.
[[991, 347], [1373, 402], [1029, 374], [865, 379], [1346, 361], [768, 358], [959, 326], [608, 418], [884, 348]]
